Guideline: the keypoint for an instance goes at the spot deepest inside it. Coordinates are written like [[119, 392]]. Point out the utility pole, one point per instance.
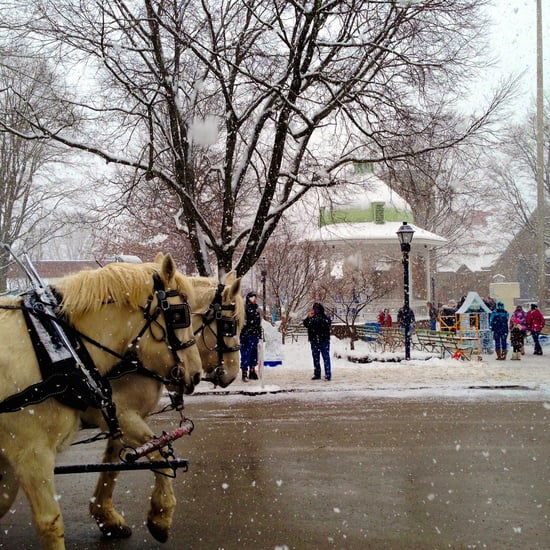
[[541, 203]]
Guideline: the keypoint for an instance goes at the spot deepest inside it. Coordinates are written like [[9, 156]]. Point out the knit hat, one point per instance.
[[318, 308], [251, 294]]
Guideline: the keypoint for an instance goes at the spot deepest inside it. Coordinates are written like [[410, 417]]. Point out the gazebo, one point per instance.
[[361, 231]]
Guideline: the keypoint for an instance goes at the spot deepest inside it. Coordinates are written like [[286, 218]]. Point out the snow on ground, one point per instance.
[[388, 375]]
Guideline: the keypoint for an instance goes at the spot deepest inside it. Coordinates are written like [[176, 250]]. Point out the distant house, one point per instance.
[[519, 263], [51, 270]]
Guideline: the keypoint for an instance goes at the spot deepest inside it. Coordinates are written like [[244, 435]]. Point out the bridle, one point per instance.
[[176, 317], [226, 327]]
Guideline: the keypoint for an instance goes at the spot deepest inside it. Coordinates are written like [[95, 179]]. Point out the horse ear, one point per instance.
[[158, 257], [230, 278], [168, 269], [234, 284]]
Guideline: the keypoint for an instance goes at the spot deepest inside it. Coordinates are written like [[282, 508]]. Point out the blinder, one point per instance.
[[227, 326], [176, 316]]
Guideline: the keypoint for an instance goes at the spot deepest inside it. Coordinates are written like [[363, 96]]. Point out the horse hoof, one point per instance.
[[158, 533], [116, 532]]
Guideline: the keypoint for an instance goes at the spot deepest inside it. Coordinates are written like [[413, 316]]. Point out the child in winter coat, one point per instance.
[[250, 337], [517, 336], [519, 317]]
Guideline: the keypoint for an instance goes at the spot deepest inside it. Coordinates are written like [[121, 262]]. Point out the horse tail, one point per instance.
[[9, 485]]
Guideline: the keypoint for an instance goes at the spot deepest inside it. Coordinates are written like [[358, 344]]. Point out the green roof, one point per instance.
[[377, 212]]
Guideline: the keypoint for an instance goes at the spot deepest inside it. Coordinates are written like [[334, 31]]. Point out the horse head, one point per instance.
[[139, 309], [218, 316]]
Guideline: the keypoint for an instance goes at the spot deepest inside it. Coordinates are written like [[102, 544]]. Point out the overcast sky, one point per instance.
[[514, 41]]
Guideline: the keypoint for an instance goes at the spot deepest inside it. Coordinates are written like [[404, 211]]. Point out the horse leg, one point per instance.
[[109, 521], [163, 500], [163, 504], [37, 480], [9, 485]]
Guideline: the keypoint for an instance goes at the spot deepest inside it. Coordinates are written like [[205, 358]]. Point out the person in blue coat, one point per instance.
[[498, 321], [318, 333]]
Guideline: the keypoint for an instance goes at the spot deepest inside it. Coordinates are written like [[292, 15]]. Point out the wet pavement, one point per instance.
[[320, 471]]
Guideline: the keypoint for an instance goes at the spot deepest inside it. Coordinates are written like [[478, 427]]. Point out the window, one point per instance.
[[378, 212]]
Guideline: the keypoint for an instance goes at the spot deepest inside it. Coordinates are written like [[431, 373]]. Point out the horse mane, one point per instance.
[[123, 284]]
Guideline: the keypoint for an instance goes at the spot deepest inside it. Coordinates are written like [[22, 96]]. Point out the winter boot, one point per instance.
[[515, 356], [245, 376], [499, 354], [504, 353], [253, 375], [522, 350]]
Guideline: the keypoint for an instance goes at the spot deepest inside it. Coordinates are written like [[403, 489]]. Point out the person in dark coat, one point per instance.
[[433, 314], [318, 332], [406, 319], [535, 323], [250, 337], [498, 321], [448, 317]]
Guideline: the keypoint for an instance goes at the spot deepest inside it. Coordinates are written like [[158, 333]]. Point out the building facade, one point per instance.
[[358, 239]]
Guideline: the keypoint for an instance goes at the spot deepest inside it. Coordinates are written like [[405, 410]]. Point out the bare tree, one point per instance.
[[349, 295], [513, 168], [142, 225], [294, 266], [241, 108], [30, 190]]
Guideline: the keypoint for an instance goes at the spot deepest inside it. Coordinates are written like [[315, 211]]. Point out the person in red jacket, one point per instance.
[[535, 323], [384, 318]]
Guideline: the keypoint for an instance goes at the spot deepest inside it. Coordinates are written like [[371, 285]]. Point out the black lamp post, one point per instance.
[[263, 273], [405, 235]]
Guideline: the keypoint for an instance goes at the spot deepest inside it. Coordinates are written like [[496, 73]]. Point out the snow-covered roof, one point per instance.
[[480, 261], [382, 233], [473, 302], [369, 189]]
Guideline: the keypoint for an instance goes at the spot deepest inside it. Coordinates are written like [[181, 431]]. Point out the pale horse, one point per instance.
[[117, 310], [217, 312]]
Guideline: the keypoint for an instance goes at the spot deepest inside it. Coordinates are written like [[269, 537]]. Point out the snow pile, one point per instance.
[[388, 375]]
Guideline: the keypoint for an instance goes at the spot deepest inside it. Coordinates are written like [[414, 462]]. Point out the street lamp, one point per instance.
[[405, 235], [263, 273]]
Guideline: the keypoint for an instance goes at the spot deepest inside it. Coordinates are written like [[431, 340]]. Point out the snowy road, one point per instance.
[[425, 454], [283, 472]]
